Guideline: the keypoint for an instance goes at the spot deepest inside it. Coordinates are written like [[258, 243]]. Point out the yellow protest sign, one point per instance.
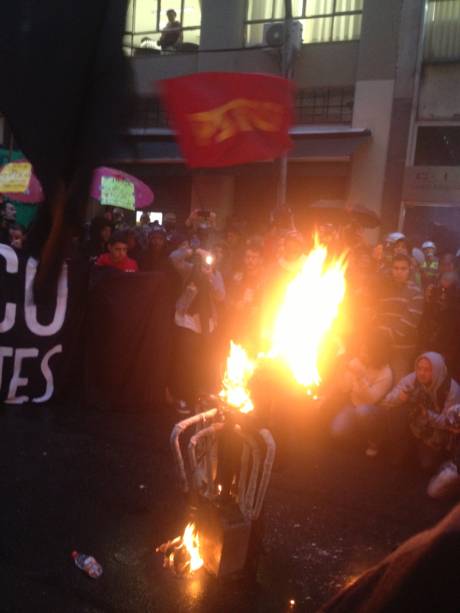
[[117, 192], [15, 177]]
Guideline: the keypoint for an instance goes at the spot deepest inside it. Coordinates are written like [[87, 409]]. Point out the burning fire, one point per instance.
[[309, 309], [302, 330], [182, 554], [237, 375]]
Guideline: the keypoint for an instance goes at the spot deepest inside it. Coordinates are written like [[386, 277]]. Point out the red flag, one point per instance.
[[226, 118]]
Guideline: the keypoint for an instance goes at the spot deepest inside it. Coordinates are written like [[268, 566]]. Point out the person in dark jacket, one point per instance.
[[7, 219], [171, 35], [155, 258], [99, 235]]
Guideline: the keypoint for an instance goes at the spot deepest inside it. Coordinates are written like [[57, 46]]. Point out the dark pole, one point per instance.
[[286, 71]]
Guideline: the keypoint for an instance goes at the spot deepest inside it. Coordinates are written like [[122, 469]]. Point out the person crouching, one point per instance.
[[420, 402]]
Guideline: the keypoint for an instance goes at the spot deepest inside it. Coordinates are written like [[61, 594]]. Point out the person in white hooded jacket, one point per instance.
[[421, 401], [365, 380]]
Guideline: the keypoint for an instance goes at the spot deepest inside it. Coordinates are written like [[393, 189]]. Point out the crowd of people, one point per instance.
[[393, 388]]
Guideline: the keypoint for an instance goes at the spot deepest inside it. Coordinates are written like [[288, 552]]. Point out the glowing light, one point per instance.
[[182, 554], [192, 544], [237, 375], [307, 314], [209, 259]]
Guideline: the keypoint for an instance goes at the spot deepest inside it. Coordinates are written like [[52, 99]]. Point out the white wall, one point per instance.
[[372, 109], [440, 92]]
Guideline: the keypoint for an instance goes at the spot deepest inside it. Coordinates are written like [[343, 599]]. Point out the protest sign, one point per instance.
[[117, 192], [15, 177]]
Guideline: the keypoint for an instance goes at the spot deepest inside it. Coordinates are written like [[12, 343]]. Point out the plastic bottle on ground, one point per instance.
[[87, 564]]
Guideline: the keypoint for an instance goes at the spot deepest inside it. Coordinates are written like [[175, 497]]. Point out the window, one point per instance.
[[435, 222], [147, 18], [153, 216], [442, 33], [323, 21], [323, 105], [438, 146], [328, 105]]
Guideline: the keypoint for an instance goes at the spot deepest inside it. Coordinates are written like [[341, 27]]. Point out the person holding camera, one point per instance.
[[201, 226], [419, 403], [194, 370]]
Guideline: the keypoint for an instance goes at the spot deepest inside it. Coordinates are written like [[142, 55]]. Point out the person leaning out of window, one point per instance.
[[171, 36]]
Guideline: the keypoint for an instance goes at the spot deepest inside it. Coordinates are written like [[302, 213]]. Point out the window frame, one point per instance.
[[156, 4], [304, 17], [430, 56]]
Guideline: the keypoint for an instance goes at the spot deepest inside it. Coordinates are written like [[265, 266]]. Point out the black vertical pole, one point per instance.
[[286, 71]]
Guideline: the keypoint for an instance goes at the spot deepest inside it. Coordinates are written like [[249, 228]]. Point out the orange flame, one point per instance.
[[182, 554], [237, 375], [304, 321], [192, 545]]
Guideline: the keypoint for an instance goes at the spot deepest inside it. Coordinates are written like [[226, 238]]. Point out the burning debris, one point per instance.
[[226, 464], [237, 376], [182, 554], [226, 471]]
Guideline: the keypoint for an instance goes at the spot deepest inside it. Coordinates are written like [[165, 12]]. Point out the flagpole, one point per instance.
[[286, 70]]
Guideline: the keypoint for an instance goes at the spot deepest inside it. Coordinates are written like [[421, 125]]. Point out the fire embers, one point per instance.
[[237, 376], [305, 323], [301, 331], [182, 554]]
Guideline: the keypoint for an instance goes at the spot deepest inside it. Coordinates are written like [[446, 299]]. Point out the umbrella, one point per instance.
[[337, 212], [18, 182], [117, 188]]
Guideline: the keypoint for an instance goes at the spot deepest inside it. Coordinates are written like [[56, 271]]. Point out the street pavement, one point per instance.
[[104, 483]]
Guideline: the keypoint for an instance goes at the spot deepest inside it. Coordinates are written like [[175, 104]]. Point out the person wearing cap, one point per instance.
[[395, 244], [388, 245], [430, 266]]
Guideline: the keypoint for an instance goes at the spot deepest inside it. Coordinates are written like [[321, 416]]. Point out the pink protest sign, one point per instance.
[[114, 187]]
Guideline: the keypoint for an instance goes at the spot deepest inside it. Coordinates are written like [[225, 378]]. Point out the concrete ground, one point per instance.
[[104, 483]]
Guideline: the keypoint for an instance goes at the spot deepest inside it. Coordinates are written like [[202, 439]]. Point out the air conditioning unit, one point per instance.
[[274, 34]]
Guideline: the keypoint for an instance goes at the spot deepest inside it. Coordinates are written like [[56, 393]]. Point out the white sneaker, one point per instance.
[[445, 483]]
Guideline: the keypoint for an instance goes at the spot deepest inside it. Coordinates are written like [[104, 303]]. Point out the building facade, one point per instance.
[[430, 195], [377, 107]]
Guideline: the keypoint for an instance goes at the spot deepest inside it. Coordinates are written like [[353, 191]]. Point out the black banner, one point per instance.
[[31, 335], [128, 331], [103, 338]]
